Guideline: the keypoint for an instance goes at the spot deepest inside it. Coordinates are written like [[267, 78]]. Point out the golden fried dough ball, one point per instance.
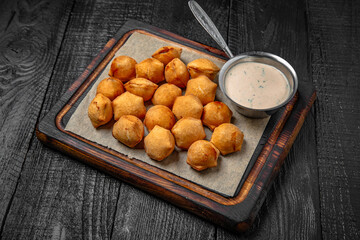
[[159, 115], [187, 106], [166, 54], [188, 130], [176, 73], [151, 69], [141, 87], [159, 143], [202, 154], [166, 95], [100, 110], [123, 68], [128, 104], [203, 66], [110, 88], [216, 113], [129, 130], [227, 138], [203, 88]]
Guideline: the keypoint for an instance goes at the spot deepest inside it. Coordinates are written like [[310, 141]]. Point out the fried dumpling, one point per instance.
[[187, 106], [123, 68], [228, 138], [202, 154], [203, 88], [167, 53], [141, 87], [129, 130], [159, 143], [159, 115], [100, 110], [216, 113], [186, 131], [166, 95], [128, 104], [151, 69], [203, 66], [177, 73], [110, 87]]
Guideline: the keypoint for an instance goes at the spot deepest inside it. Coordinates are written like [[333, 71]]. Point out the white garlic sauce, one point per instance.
[[256, 85]]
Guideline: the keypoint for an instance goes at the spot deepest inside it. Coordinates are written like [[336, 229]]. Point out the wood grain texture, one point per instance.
[[293, 201], [142, 216], [30, 39], [58, 198], [176, 17], [334, 43]]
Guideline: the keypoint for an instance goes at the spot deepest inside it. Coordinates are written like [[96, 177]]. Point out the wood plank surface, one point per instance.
[[334, 43], [31, 35], [45, 45]]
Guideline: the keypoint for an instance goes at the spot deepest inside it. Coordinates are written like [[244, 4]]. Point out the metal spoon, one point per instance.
[[209, 26]]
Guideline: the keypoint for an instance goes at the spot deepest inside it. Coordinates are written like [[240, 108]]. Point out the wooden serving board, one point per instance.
[[235, 213]]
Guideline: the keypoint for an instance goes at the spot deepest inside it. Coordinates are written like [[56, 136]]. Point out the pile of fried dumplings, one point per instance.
[[174, 118]]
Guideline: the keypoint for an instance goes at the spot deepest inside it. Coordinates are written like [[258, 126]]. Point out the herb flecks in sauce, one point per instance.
[[256, 85]]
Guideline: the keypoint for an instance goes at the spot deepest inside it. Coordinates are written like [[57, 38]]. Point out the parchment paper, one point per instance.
[[225, 177]]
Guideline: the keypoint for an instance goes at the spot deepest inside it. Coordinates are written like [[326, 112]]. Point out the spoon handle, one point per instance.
[[209, 26]]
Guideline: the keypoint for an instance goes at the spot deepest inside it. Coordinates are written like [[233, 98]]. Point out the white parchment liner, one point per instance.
[[225, 177]]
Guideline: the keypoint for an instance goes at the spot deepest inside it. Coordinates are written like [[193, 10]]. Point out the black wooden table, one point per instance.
[[45, 45]]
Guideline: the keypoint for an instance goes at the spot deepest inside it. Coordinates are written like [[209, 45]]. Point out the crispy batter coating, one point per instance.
[[110, 87], [177, 73], [203, 66], [186, 131], [159, 143], [216, 113], [141, 87], [123, 68], [203, 88], [129, 130], [166, 95], [159, 115], [100, 110], [187, 106], [202, 154], [228, 138], [151, 69], [167, 53], [128, 104]]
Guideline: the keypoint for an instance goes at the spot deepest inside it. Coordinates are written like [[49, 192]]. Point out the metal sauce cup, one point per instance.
[[265, 58]]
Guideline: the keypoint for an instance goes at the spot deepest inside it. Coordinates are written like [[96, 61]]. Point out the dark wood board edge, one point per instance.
[[215, 212]]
